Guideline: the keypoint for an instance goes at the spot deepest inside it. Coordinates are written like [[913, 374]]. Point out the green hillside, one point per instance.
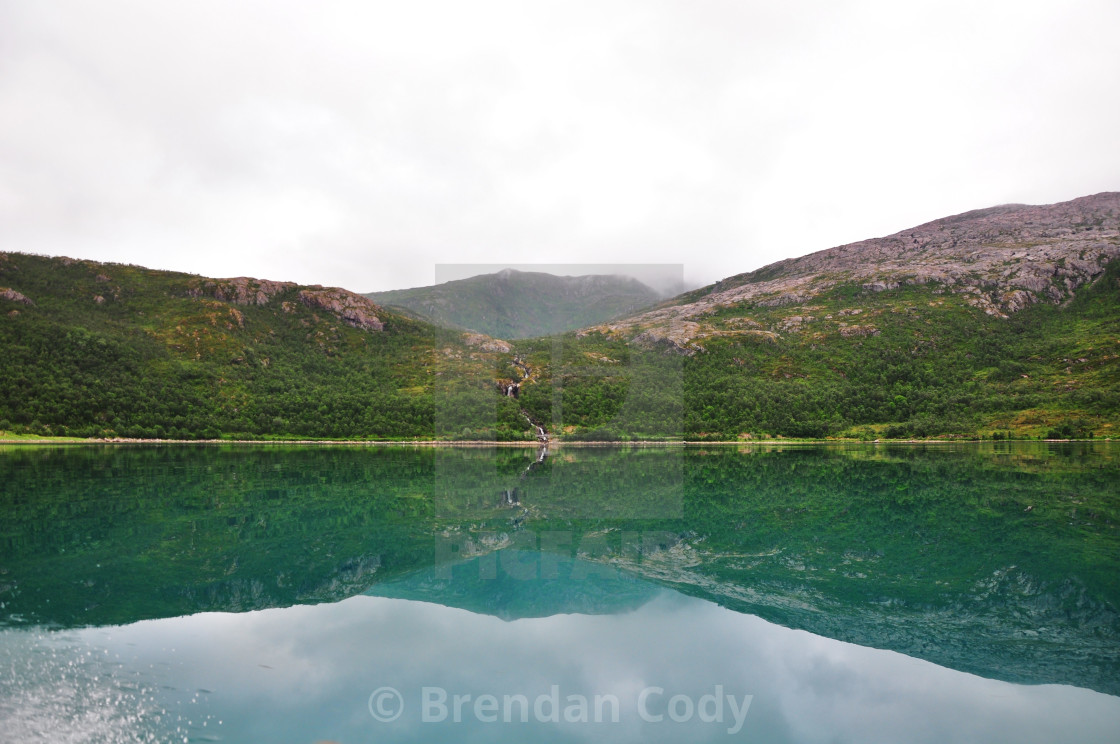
[[933, 366], [105, 350], [997, 323], [523, 304]]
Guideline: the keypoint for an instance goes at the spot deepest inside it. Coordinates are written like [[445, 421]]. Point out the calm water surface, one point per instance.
[[800, 594]]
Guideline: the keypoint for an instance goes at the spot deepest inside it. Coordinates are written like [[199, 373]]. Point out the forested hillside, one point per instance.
[[997, 323], [93, 349]]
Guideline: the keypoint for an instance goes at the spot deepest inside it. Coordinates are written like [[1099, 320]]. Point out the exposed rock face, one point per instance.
[[14, 296], [795, 322], [351, 308], [1004, 248], [485, 343], [1001, 259], [240, 290], [676, 336], [1018, 299]]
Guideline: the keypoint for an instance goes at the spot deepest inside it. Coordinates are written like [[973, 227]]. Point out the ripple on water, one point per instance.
[[55, 687]]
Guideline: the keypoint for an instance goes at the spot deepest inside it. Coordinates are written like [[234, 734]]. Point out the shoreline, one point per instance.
[[527, 445]]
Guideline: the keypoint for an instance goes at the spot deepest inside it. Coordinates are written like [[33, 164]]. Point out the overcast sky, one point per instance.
[[362, 143]]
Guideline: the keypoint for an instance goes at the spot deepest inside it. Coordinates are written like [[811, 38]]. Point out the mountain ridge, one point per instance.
[[1024, 264], [515, 304], [1004, 320]]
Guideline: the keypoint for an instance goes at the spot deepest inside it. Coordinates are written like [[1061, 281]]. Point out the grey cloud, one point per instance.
[[362, 143]]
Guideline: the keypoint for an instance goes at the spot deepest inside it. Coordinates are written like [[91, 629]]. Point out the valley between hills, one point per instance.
[[1002, 323]]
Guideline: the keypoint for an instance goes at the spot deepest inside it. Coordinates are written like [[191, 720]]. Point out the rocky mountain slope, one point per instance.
[[522, 304], [1004, 319], [999, 260]]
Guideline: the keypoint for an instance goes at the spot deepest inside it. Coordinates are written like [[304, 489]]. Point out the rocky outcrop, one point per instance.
[[1017, 299], [743, 323], [486, 343], [675, 337], [795, 322], [857, 331], [14, 296], [351, 308], [240, 290]]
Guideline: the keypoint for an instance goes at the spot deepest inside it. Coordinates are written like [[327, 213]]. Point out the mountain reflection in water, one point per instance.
[[998, 560]]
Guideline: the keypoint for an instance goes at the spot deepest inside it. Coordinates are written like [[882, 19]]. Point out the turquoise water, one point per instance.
[[803, 594]]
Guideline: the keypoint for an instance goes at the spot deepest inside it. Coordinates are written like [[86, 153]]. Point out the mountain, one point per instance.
[[998, 321], [999, 260], [523, 304], [1002, 322], [498, 584], [105, 350]]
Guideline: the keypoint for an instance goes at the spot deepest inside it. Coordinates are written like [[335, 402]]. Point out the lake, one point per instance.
[[765, 593]]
